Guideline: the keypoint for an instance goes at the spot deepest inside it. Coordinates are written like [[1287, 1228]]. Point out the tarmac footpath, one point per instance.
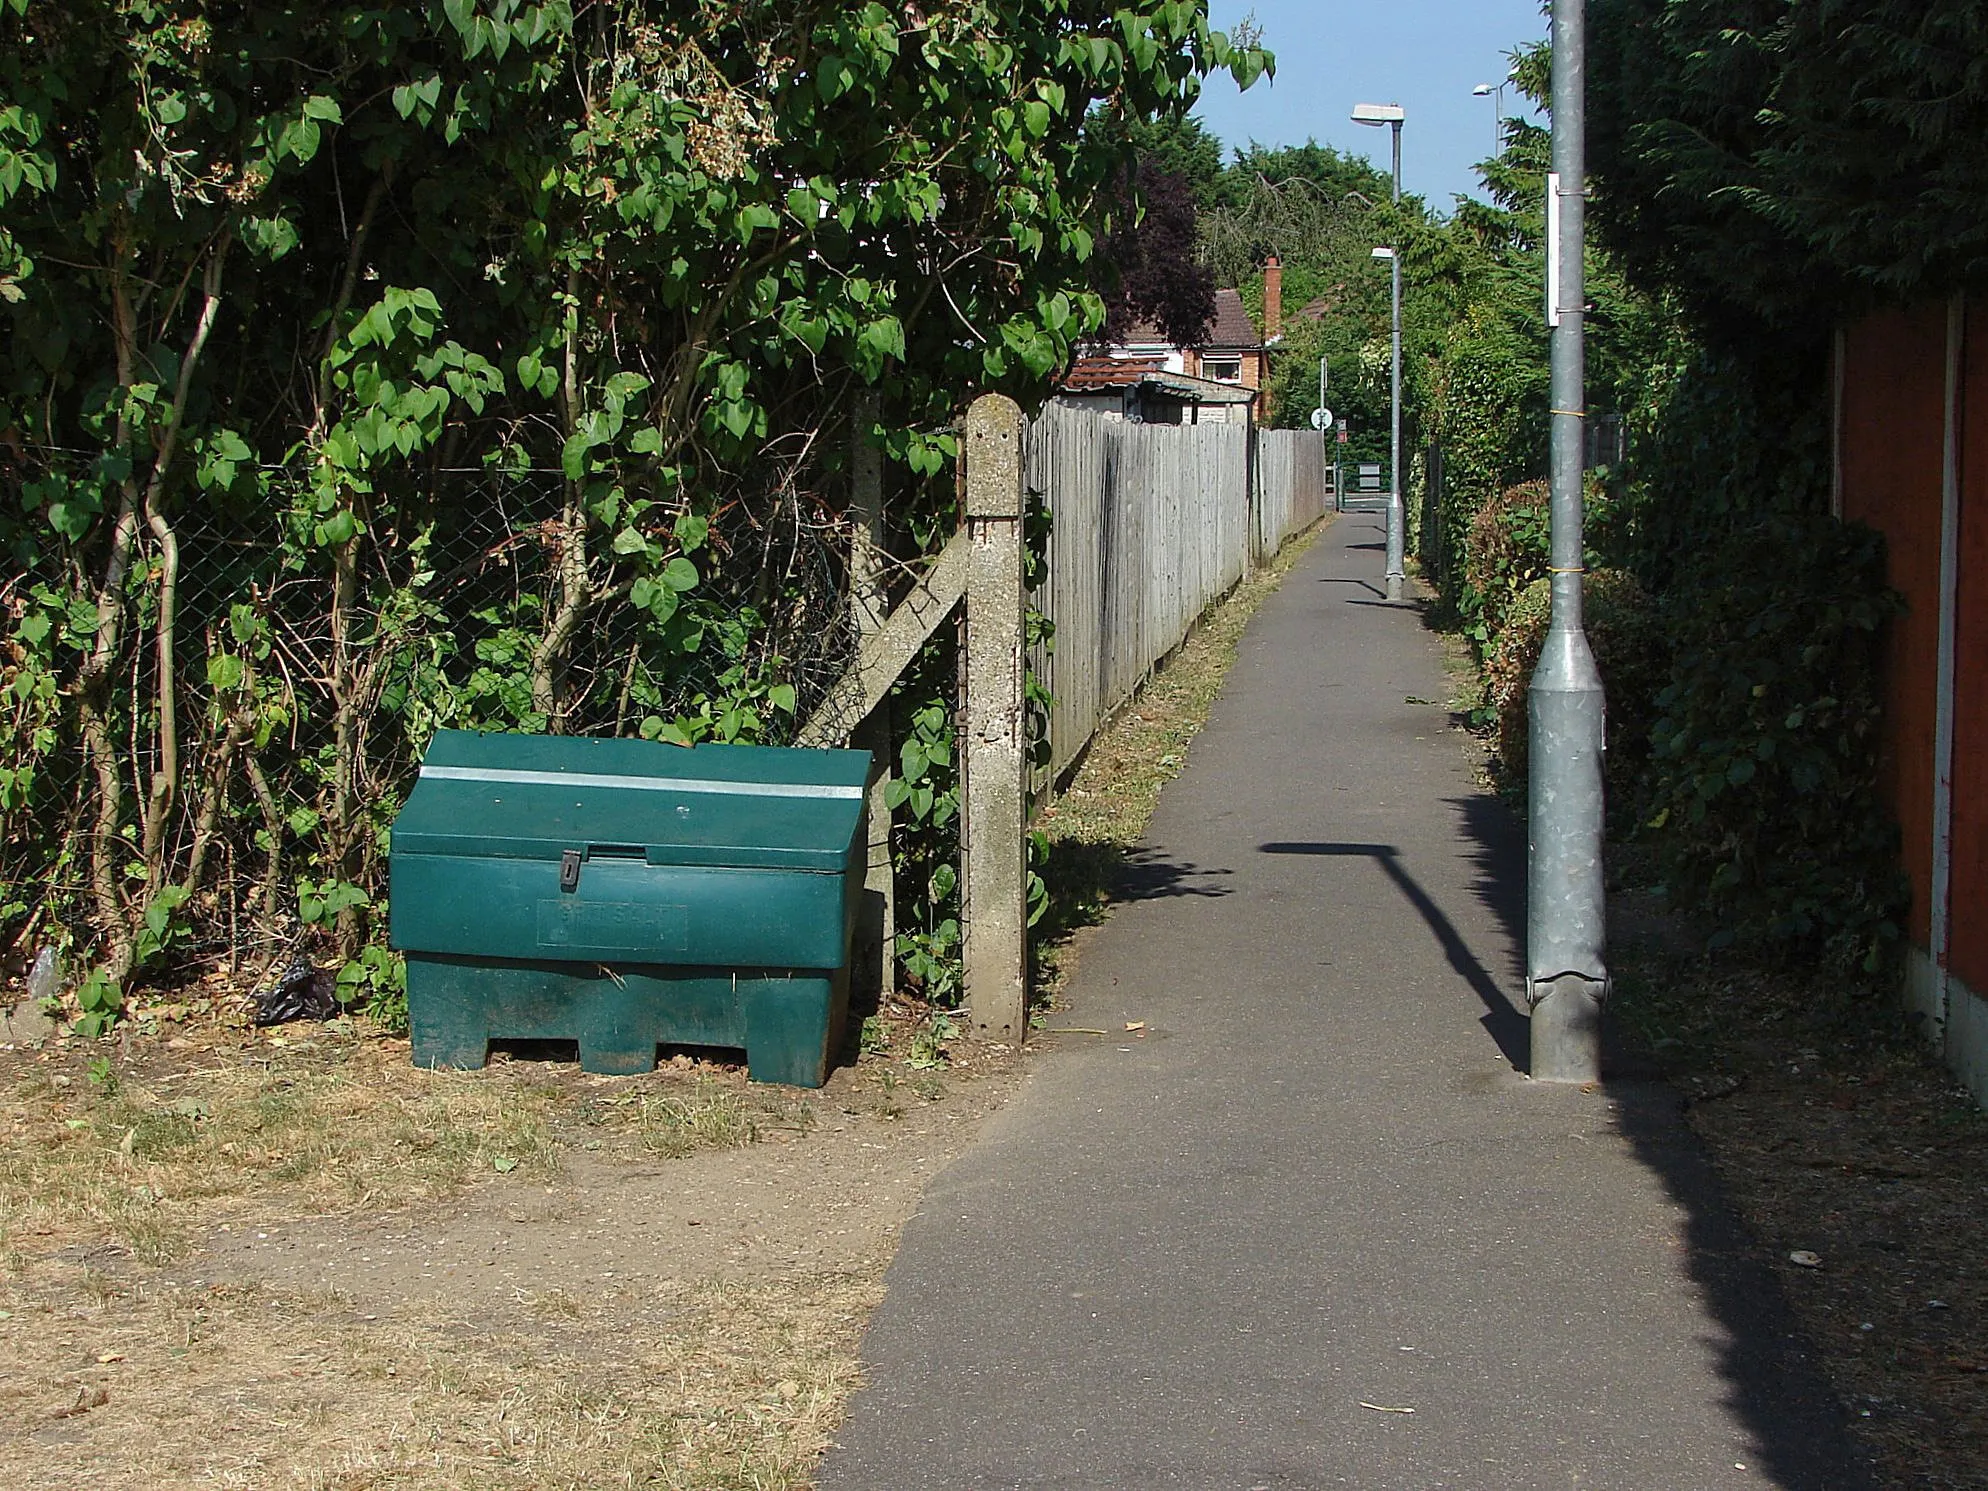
[[1313, 1227]]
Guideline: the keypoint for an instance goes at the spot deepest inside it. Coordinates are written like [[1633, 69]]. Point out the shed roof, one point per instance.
[[1089, 373]]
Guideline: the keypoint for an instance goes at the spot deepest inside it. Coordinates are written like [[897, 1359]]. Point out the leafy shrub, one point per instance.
[[512, 375], [1485, 403], [1505, 550], [1509, 546], [1765, 754], [376, 983], [1622, 629]]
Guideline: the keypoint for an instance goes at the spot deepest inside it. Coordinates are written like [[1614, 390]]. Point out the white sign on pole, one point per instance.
[[1552, 248]]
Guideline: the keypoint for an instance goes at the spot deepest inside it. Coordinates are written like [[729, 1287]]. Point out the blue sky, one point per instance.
[[1425, 55]]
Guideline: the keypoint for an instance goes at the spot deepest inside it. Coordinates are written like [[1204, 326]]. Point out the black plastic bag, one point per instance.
[[301, 992]]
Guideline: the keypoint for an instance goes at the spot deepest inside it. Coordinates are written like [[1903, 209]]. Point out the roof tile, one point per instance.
[[1231, 327]]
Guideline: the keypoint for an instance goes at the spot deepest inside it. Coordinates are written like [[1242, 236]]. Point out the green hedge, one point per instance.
[[1765, 802]]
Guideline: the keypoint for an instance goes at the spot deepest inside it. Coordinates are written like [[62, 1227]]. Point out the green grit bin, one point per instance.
[[626, 894]]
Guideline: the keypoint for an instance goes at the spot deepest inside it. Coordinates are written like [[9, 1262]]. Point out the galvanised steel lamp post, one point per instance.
[[1392, 115], [1566, 914]]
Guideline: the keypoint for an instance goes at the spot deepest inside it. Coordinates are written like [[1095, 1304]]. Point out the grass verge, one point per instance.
[[149, 1158], [694, 1387]]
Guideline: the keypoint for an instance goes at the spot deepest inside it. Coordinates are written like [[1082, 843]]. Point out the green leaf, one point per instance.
[[340, 528], [300, 140], [680, 574]]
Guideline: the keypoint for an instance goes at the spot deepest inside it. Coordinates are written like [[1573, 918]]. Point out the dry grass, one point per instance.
[[146, 1161], [709, 1116], [702, 1386], [710, 1364]]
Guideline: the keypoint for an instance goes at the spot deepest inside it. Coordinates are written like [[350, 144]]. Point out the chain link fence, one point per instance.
[[263, 693]]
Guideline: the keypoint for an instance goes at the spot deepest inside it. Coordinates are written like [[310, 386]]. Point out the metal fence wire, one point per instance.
[[272, 680]]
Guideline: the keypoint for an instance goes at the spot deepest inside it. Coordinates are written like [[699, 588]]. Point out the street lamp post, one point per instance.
[[1566, 911], [1495, 92], [1397, 514]]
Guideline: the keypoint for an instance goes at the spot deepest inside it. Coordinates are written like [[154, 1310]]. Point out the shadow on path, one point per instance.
[[1087, 876], [1772, 1384], [1368, 585], [1147, 876], [1493, 840], [1501, 1020]]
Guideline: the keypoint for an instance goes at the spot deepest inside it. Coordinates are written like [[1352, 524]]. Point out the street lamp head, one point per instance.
[[1484, 90], [1378, 114], [1383, 253]]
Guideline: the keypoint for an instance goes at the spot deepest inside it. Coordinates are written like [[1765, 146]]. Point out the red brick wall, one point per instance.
[[1891, 438]]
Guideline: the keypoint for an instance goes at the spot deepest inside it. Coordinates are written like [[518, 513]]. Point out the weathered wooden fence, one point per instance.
[[1293, 489], [1149, 525]]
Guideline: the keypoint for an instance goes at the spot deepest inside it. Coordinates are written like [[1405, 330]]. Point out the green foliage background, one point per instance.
[[1752, 170], [493, 363]]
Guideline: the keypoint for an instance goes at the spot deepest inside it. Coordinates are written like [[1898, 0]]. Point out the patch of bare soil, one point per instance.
[[226, 1261], [1860, 1168]]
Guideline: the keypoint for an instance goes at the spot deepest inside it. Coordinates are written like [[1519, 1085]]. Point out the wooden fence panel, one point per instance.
[[1150, 525]]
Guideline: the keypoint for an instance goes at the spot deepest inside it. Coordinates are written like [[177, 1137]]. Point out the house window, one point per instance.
[[1222, 369]]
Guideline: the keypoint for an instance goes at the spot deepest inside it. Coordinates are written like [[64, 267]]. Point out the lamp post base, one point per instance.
[[1566, 1029], [1394, 584]]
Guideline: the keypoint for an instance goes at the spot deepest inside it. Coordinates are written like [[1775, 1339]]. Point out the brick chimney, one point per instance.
[[1273, 297]]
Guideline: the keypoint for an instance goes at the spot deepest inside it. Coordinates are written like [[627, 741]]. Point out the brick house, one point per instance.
[[1196, 384]]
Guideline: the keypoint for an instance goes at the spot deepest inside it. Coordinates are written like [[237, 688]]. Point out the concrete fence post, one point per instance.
[[993, 749]]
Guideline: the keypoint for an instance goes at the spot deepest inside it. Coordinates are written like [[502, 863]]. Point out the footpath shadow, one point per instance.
[[1493, 838], [1144, 875], [1773, 1386], [1085, 877], [1501, 1020], [1367, 585]]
